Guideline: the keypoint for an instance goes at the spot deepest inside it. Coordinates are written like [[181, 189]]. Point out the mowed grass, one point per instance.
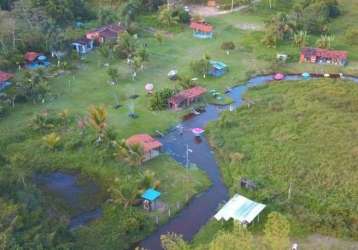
[[301, 135], [89, 85]]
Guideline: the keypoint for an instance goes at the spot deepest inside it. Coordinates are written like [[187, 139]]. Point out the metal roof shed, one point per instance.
[[151, 194], [240, 208]]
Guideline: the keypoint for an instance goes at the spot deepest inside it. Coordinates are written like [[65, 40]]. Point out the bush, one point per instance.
[[159, 101]]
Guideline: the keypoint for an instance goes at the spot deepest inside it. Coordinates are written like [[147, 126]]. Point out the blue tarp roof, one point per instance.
[[151, 194], [218, 65]]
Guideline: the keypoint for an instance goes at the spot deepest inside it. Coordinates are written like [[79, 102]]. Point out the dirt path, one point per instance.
[[206, 11]]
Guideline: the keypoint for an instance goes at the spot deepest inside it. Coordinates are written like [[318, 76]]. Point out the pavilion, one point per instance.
[[240, 208]]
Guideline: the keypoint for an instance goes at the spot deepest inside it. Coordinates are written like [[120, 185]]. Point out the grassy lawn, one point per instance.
[[300, 134]]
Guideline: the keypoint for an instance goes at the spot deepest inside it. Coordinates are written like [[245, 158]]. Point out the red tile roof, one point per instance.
[[31, 56], [332, 54], [109, 31], [188, 94], [4, 76], [201, 26], [146, 141]]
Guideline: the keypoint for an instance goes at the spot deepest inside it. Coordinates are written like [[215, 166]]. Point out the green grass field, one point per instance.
[[302, 134], [288, 121]]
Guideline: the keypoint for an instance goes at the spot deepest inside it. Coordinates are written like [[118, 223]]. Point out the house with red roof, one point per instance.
[[105, 33], [5, 79], [186, 97], [150, 146], [34, 60], [323, 56], [202, 30]]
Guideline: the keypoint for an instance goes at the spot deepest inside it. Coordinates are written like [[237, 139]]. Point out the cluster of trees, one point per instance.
[[29, 86], [235, 236], [305, 17]]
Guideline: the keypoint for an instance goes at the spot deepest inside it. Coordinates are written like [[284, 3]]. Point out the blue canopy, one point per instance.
[[151, 194], [42, 58], [218, 65]]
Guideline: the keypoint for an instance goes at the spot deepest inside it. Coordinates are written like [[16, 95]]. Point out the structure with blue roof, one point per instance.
[[217, 68]]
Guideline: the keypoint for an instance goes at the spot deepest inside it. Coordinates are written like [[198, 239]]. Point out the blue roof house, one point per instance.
[[83, 45], [217, 68]]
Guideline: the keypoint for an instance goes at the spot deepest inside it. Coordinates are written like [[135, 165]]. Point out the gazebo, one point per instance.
[[217, 68], [4, 80], [186, 97], [150, 146], [241, 209], [202, 30], [150, 196]]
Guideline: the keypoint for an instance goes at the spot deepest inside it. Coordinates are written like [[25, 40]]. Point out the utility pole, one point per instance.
[[188, 150]]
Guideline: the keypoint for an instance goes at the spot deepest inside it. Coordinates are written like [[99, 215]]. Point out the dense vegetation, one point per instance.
[[298, 143]]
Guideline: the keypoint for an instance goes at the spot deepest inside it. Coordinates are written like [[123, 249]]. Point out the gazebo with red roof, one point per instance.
[[323, 56], [186, 97], [4, 79], [202, 30], [150, 146]]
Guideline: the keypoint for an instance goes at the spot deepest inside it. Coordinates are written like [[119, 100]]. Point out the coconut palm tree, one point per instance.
[[300, 38], [133, 154], [325, 42], [97, 118], [51, 140]]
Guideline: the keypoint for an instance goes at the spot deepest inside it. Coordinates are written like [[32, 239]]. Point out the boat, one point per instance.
[[306, 75], [198, 131], [279, 76]]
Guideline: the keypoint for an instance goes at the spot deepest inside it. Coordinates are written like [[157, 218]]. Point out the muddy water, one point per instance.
[[80, 197]]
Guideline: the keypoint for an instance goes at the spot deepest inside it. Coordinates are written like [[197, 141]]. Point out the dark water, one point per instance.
[[79, 196], [202, 207]]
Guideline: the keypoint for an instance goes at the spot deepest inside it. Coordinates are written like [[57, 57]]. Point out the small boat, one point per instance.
[[198, 131], [306, 75], [279, 76], [227, 90], [195, 112]]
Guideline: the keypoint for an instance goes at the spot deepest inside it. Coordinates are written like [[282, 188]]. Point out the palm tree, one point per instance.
[[133, 154], [125, 192], [97, 118], [325, 42], [300, 38], [51, 140], [166, 16]]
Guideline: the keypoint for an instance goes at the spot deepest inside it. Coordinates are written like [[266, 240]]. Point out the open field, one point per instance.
[[299, 145]]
